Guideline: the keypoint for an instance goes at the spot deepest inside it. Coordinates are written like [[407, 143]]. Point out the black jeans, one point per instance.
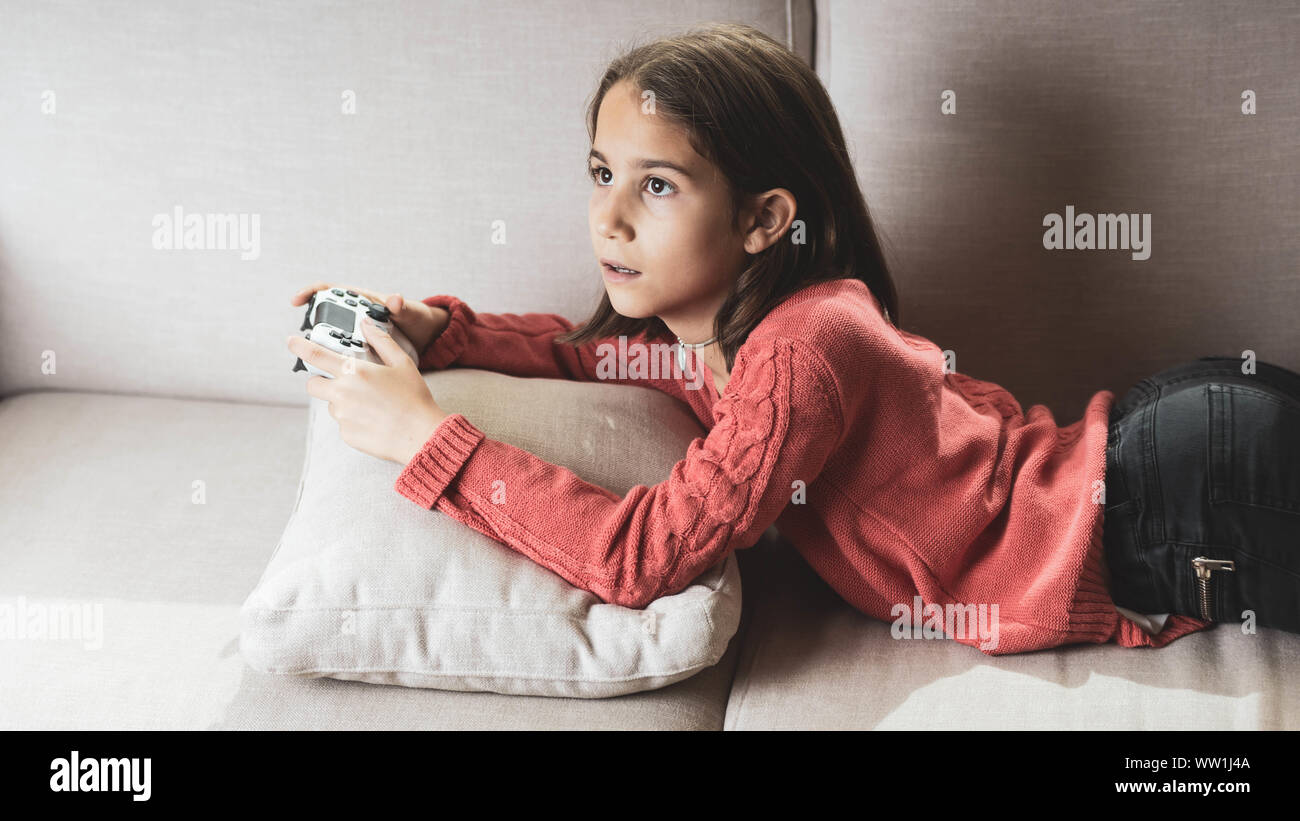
[[1203, 464]]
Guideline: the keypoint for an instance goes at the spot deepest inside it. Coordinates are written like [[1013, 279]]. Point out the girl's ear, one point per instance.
[[773, 212]]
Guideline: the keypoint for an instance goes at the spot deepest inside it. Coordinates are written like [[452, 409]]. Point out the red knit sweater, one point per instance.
[[916, 482]]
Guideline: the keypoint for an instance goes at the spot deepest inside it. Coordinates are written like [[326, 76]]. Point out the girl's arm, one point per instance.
[[776, 425], [521, 345]]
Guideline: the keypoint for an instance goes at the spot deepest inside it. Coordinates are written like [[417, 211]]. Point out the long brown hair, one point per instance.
[[760, 113]]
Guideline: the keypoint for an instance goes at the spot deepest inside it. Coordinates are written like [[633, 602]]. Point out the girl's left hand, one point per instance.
[[385, 410]]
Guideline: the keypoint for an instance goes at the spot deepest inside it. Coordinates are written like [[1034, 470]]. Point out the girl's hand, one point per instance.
[[384, 410], [421, 323]]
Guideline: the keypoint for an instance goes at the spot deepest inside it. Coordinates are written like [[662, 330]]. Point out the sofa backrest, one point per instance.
[[463, 114], [1109, 107]]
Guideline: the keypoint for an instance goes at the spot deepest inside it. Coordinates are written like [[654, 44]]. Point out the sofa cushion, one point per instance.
[[850, 673], [1070, 105], [367, 586], [382, 144], [98, 504]]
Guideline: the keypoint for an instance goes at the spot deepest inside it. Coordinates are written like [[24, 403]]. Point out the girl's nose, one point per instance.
[[608, 217]]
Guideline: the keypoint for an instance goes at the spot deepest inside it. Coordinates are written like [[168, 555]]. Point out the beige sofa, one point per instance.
[[136, 377]]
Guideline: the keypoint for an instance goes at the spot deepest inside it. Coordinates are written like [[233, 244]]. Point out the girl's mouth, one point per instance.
[[613, 274]]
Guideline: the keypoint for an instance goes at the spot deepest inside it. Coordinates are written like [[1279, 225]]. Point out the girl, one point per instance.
[[728, 221]]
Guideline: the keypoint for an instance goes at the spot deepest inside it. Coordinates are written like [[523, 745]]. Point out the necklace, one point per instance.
[[682, 346]]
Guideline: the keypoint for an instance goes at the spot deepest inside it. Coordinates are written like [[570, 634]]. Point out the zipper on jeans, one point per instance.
[[1206, 589]]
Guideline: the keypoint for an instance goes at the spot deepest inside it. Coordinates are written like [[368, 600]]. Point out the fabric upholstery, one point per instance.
[[366, 585], [810, 661], [1109, 106], [98, 505], [469, 129]]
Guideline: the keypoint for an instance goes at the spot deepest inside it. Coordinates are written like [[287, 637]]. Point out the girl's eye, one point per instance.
[[664, 182], [597, 174]]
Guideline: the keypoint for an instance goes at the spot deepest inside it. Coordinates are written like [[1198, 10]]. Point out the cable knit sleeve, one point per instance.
[[775, 426], [523, 345]]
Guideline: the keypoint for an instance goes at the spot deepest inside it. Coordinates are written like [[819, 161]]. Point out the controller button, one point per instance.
[[363, 301], [379, 313], [336, 334], [353, 293], [351, 302], [336, 291]]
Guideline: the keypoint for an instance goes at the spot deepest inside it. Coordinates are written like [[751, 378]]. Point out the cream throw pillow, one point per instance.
[[364, 585]]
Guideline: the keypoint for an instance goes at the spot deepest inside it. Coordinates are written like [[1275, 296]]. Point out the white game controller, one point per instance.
[[333, 321]]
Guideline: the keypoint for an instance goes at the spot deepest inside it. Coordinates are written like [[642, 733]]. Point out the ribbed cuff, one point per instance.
[[427, 475], [444, 348], [1093, 617]]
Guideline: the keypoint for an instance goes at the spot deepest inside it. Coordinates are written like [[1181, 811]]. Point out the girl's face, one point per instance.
[[662, 209]]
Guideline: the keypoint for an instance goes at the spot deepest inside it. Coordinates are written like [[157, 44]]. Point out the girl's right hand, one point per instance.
[[421, 323]]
